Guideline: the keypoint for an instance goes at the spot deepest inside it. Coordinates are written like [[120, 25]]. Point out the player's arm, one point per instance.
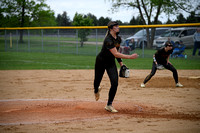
[[123, 56], [154, 59], [121, 63], [119, 60], [168, 60]]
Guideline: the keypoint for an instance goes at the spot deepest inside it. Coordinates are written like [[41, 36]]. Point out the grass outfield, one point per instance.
[[52, 55], [28, 61]]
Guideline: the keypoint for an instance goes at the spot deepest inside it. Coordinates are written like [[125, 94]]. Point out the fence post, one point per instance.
[[96, 42], [58, 41], [42, 40], [5, 41], [143, 45], [77, 41], [10, 39], [28, 41], [17, 39]]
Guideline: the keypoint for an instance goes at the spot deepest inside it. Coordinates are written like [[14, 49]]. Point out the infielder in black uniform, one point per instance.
[[161, 59], [105, 60]]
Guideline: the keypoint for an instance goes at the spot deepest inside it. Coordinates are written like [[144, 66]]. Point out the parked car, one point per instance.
[[185, 34], [141, 36]]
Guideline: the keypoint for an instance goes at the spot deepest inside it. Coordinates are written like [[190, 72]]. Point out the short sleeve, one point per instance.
[[109, 44]]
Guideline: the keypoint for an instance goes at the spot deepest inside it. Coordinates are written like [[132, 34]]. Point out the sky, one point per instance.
[[99, 8]]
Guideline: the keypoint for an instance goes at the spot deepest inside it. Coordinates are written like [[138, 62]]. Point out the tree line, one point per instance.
[[32, 13]]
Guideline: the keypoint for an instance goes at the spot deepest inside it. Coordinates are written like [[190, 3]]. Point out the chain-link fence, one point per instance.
[[59, 40]]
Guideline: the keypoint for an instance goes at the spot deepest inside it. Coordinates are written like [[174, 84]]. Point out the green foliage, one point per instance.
[[63, 20], [24, 13], [81, 20], [44, 18], [94, 19], [104, 21]]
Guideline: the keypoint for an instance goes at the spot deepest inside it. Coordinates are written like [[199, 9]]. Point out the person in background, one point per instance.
[[196, 42], [161, 58], [178, 49], [105, 60], [132, 46]]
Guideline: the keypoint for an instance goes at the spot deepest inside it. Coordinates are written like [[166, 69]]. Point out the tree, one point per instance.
[[59, 19], [94, 19], [192, 18], [136, 21], [79, 20], [21, 13], [180, 19], [104, 21], [43, 18], [169, 21], [63, 20], [150, 10]]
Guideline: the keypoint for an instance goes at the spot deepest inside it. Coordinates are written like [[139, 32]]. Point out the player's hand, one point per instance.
[[134, 56], [159, 67], [169, 63]]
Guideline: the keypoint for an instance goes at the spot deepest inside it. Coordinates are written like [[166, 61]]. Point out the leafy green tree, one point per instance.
[[94, 18], [169, 21], [63, 20], [136, 21], [23, 13], [80, 20], [192, 18], [104, 21], [59, 19], [180, 19], [150, 10], [44, 18]]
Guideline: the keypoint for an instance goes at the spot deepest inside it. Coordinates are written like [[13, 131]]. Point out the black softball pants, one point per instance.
[[111, 69], [167, 66]]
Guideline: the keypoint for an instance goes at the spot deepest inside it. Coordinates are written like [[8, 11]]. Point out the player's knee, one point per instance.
[[174, 70], [114, 84], [152, 74]]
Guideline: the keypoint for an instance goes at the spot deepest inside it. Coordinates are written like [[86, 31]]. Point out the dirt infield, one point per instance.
[[63, 101]]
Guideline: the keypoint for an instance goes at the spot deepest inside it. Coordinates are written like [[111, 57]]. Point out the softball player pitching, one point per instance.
[[105, 60], [161, 61]]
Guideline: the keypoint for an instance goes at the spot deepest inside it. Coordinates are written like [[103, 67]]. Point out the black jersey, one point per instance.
[[109, 43], [161, 56]]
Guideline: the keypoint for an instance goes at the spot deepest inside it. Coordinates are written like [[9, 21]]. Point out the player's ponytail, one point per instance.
[[110, 26], [107, 33]]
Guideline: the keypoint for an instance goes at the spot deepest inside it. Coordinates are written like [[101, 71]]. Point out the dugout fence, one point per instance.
[[66, 39]]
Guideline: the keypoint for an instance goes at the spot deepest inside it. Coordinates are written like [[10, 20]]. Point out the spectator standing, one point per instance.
[[196, 42]]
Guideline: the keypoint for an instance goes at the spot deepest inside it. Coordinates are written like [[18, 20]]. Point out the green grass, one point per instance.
[[28, 61], [67, 55], [20, 60]]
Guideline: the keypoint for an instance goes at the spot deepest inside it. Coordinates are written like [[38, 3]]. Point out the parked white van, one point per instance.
[[185, 34]]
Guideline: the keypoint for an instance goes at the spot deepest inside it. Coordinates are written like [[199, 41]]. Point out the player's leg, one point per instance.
[[99, 71], [173, 70], [175, 73], [153, 71], [198, 46], [194, 49], [113, 76]]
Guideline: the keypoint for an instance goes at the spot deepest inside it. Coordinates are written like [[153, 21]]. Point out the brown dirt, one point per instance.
[[63, 101]]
